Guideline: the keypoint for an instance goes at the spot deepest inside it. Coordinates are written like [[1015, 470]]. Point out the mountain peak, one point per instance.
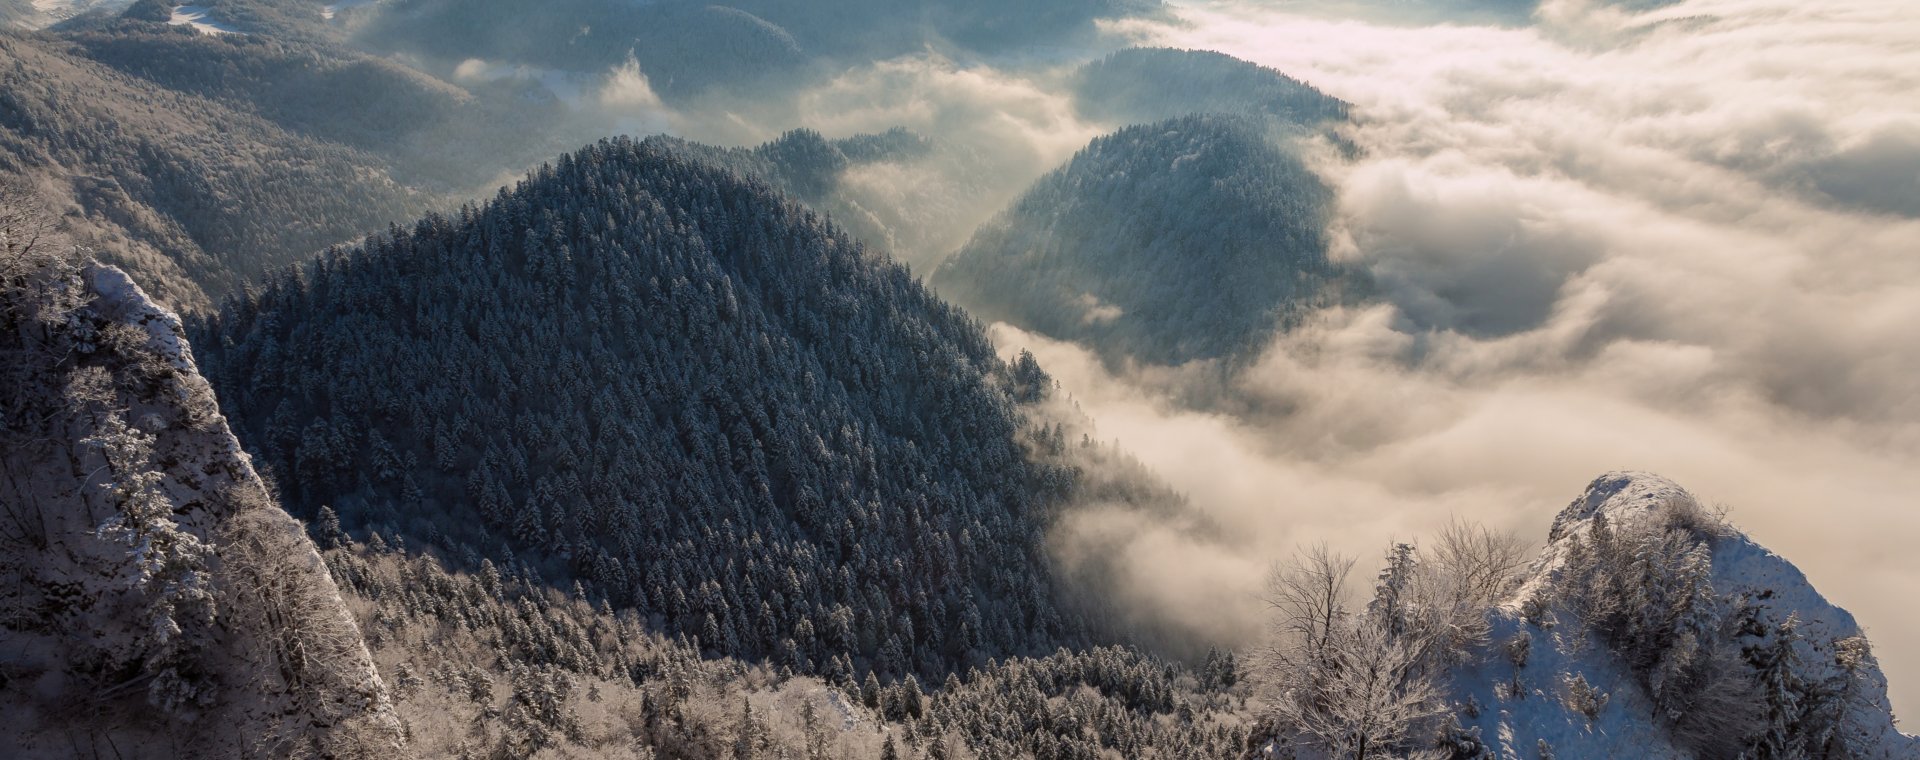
[[1621, 494], [1632, 542]]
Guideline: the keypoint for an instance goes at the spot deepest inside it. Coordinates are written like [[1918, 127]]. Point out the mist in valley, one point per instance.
[[1667, 237], [1239, 279]]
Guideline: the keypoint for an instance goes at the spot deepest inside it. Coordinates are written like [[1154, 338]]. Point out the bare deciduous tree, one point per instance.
[[282, 593], [1352, 685], [1371, 697], [1308, 596], [24, 225], [1483, 565]]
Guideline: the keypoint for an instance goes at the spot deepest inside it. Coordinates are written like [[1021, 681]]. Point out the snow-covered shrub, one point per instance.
[[1364, 682], [163, 567], [1646, 589], [1582, 697]]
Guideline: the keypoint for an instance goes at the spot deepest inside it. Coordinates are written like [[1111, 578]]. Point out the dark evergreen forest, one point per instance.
[[1193, 238], [663, 379]]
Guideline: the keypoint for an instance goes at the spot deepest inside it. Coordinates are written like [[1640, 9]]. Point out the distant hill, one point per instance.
[[1192, 238], [1140, 85], [687, 48], [812, 169], [190, 194]]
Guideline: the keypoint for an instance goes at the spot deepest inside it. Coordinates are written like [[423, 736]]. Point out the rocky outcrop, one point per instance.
[[157, 602]]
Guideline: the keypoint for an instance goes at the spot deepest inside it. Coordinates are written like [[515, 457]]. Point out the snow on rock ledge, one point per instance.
[[134, 437], [1741, 568]]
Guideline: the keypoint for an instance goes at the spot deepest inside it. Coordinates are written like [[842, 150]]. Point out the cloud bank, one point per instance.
[[1681, 240]]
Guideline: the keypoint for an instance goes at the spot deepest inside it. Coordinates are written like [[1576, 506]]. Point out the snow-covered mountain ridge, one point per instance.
[[1550, 683], [156, 599]]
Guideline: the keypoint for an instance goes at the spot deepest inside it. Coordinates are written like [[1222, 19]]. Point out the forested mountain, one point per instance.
[[20, 14], [658, 452], [1193, 238], [426, 132], [36, 14], [664, 379], [222, 635], [688, 47], [319, 91], [242, 151], [192, 195], [154, 601], [1140, 85], [807, 165], [160, 605]]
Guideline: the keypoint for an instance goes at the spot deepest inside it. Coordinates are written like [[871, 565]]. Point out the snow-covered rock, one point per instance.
[[1517, 690], [154, 595]]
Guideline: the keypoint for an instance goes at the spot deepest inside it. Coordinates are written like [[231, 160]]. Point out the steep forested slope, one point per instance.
[[154, 601], [691, 393], [1139, 85], [193, 196], [314, 89], [1192, 238], [425, 132]]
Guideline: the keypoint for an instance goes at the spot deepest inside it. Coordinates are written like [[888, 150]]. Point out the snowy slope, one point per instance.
[[37, 14], [282, 667], [1520, 706], [201, 19], [59, 10]]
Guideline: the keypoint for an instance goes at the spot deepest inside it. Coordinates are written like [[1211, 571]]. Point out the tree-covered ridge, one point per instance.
[[193, 196], [1151, 84], [494, 663], [691, 47], [313, 88], [152, 595], [1192, 238], [426, 132], [692, 393]]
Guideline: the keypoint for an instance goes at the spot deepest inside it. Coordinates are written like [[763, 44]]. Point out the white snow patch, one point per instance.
[[55, 11], [119, 294], [201, 19]]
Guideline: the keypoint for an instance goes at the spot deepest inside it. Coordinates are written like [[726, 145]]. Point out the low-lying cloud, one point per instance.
[[1682, 241], [994, 131]]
